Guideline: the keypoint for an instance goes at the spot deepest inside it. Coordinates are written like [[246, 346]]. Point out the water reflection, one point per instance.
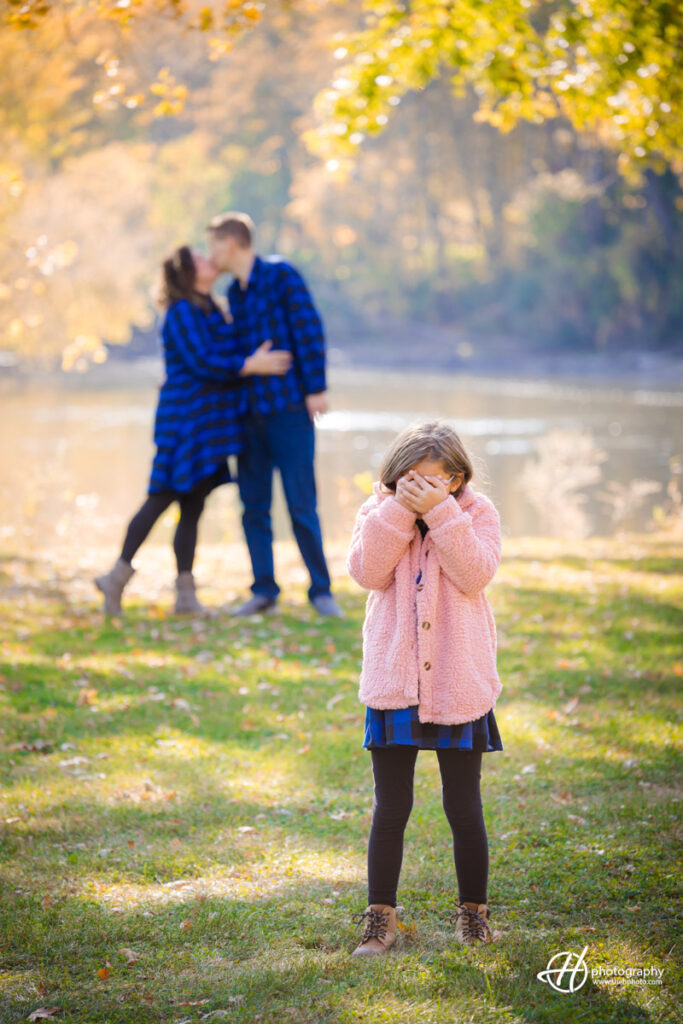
[[76, 453]]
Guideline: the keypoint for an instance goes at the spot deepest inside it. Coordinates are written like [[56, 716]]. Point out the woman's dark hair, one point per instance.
[[177, 280]]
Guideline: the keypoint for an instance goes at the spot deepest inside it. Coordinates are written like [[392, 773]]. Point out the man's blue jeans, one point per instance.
[[284, 441]]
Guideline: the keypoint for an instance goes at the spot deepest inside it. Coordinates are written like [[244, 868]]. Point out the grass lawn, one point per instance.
[[186, 806]]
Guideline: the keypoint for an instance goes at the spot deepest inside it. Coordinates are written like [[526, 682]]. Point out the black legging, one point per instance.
[[394, 768], [185, 538]]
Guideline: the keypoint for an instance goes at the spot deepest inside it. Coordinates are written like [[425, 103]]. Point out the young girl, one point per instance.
[[425, 545], [198, 418]]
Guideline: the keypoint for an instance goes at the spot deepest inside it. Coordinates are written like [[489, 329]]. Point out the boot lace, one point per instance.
[[376, 925], [473, 925]]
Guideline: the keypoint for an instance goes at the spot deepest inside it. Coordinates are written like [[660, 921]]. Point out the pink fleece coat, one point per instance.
[[431, 643]]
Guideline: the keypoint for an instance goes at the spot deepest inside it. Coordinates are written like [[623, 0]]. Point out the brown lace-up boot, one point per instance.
[[379, 933], [471, 923]]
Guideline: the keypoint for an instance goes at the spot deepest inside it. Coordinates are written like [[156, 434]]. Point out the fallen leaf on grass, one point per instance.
[[577, 818], [155, 695], [187, 923], [131, 956], [33, 746], [44, 1013], [562, 798], [86, 697], [72, 762], [103, 973], [222, 1013], [180, 704], [407, 929]]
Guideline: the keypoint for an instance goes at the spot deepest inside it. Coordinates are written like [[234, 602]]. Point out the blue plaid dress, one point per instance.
[[402, 726], [202, 402]]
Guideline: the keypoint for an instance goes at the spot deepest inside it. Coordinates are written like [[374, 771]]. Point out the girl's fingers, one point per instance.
[[437, 483]]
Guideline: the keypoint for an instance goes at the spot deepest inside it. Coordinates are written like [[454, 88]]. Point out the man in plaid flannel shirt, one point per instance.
[[269, 300]]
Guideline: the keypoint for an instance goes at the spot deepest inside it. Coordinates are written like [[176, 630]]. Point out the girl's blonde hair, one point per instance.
[[420, 441]]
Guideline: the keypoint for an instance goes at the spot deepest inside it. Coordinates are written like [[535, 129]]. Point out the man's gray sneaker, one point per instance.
[[325, 604], [257, 603]]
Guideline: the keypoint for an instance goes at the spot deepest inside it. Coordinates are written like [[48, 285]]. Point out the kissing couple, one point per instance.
[[250, 387]]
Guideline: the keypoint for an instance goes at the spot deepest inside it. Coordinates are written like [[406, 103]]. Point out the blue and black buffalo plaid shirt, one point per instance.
[[277, 304]]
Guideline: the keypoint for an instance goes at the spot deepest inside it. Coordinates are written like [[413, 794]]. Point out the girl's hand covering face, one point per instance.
[[421, 493], [403, 496]]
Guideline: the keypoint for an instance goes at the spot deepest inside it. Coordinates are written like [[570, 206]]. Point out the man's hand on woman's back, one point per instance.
[[267, 363]]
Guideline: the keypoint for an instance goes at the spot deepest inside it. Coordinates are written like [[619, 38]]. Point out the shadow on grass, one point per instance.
[[578, 870], [288, 954]]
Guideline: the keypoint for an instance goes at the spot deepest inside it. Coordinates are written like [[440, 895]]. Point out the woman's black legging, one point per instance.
[[394, 768], [185, 539]]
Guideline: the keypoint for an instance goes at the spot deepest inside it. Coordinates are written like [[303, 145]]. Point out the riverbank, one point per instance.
[[186, 804], [430, 349], [406, 348]]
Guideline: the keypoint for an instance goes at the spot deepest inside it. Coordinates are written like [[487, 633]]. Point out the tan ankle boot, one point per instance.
[[111, 584], [471, 923], [186, 598], [379, 933]]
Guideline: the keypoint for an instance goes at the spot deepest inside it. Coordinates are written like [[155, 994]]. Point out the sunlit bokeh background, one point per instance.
[[512, 264]]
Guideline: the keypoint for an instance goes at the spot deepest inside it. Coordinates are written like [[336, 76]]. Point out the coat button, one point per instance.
[[426, 625], [420, 586], [428, 664]]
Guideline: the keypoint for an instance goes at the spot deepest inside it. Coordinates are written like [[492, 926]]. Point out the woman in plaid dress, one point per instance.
[[198, 418], [425, 545]]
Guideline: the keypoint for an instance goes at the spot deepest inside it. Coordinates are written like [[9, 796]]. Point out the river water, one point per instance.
[[76, 452]]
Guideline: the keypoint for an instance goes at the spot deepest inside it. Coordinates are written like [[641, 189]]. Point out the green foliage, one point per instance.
[[109, 159], [609, 67], [598, 272]]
